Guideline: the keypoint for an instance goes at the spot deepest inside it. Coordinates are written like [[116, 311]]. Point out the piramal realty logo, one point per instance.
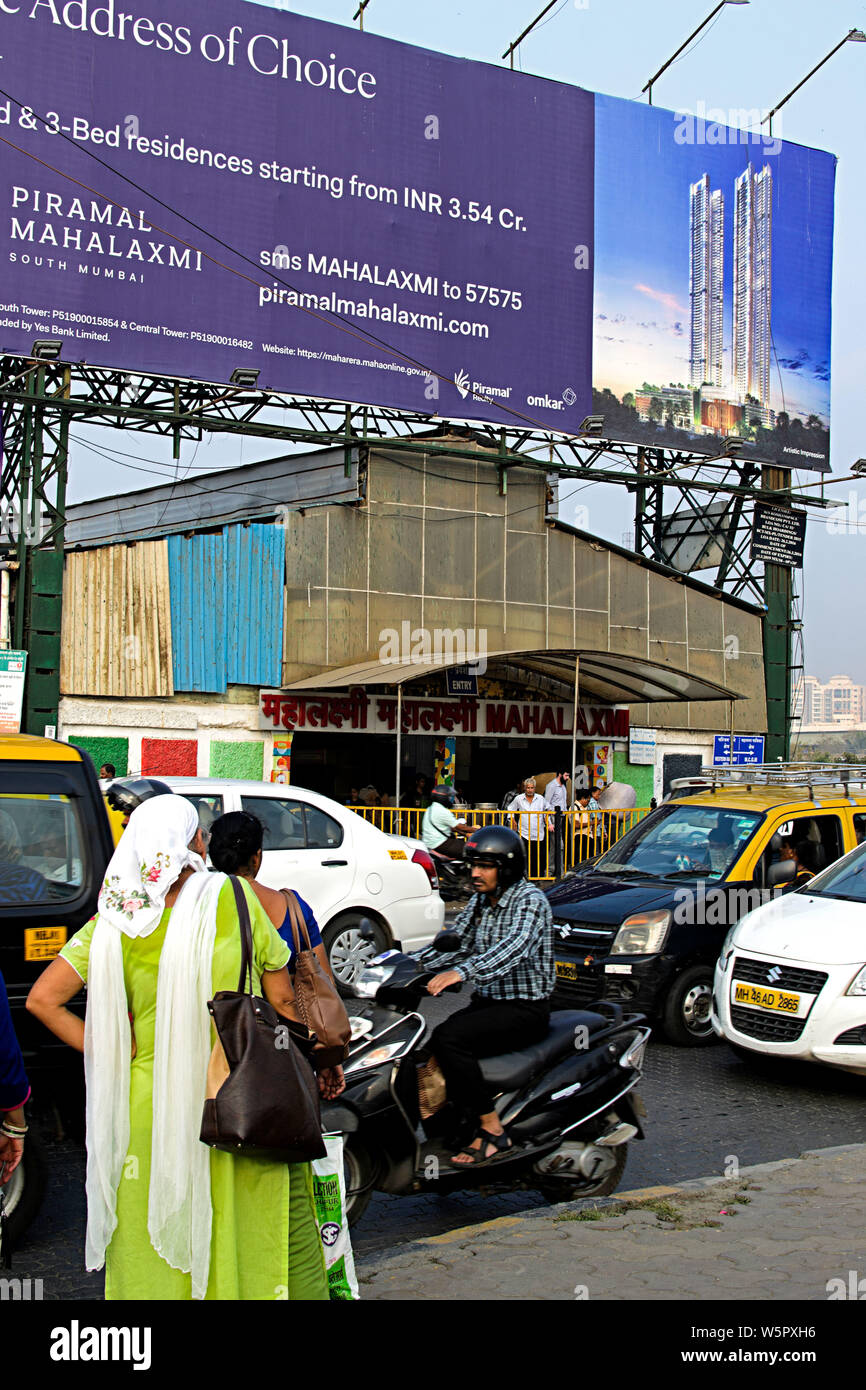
[[437, 646]]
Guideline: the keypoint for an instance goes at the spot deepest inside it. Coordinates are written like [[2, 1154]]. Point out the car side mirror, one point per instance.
[[783, 872]]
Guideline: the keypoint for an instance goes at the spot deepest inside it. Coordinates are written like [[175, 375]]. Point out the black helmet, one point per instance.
[[496, 844], [444, 794], [125, 796]]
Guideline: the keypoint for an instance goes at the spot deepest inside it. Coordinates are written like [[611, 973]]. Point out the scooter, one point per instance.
[[453, 875], [568, 1102]]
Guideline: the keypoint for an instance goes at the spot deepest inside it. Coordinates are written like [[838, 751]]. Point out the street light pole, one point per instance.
[[509, 52], [722, 3], [853, 36]]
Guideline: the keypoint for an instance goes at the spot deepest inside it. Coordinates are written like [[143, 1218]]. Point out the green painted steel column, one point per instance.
[[777, 635]]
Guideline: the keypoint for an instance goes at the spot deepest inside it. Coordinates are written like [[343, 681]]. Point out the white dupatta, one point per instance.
[[152, 853]]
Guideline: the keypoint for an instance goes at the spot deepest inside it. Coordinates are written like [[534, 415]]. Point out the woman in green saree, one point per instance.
[[168, 1217]]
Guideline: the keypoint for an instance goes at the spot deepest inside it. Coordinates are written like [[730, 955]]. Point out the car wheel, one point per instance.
[[24, 1191], [687, 1012], [348, 951]]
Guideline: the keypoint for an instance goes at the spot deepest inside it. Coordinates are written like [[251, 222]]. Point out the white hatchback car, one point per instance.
[[791, 979], [342, 865]]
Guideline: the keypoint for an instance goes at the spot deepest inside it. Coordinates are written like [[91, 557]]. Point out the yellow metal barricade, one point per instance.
[[585, 834]]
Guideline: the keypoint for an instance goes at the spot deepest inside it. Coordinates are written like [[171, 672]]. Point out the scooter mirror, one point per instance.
[[446, 941], [366, 930]]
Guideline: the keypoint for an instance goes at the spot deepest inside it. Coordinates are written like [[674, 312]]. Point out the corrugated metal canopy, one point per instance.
[[605, 676]]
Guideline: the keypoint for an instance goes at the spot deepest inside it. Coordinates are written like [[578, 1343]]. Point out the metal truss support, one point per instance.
[[39, 401]]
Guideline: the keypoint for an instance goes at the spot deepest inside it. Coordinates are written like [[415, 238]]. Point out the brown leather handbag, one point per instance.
[[318, 1003], [262, 1097]]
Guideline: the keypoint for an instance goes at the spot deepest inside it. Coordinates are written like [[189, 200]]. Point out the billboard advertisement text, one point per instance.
[[196, 189]]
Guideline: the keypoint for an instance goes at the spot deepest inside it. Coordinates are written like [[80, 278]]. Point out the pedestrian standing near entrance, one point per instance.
[[169, 1217], [531, 826], [557, 796], [14, 1091], [588, 831]]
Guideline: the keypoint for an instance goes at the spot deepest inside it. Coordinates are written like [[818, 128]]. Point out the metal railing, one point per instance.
[[554, 840]]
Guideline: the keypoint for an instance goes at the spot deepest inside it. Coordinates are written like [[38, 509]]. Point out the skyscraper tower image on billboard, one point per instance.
[[706, 283], [712, 277], [752, 339]]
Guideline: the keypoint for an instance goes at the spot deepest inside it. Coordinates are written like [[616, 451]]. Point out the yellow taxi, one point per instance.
[[55, 844], [644, 923]]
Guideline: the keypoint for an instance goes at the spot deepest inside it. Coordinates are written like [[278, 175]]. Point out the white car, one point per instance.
[[791, 979], [342, 865]]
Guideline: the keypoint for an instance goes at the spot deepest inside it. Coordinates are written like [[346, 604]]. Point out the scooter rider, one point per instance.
[[507, 958], [440, 826]]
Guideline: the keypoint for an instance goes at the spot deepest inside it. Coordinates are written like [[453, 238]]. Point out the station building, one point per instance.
[[310, 606]]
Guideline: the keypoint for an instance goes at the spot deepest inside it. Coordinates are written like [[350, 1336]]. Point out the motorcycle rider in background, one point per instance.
[[440, 826], [507, 958]]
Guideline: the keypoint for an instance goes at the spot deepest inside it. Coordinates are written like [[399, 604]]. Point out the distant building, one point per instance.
[[840, 702]]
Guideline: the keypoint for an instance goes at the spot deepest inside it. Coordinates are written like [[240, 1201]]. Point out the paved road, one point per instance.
[[705, 1109]]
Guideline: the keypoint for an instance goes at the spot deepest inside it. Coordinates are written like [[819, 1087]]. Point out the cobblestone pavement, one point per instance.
[[705, 1109], [791, 1230]]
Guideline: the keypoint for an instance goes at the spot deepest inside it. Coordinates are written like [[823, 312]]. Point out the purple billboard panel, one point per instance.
[[235, 187]]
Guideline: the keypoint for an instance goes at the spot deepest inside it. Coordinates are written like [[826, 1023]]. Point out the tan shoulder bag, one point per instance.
[[319, 1005]]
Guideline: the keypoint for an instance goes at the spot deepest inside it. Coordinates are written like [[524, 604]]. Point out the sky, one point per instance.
[[746, 60]]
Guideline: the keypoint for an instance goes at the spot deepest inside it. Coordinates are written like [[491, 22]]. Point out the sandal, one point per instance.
[[500, 1142]]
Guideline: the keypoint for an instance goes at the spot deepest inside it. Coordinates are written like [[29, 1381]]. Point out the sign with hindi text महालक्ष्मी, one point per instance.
[[191, 189]]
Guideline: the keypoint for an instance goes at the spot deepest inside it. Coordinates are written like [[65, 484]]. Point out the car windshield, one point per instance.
[[698, 841], [844, 879], [41, 855]]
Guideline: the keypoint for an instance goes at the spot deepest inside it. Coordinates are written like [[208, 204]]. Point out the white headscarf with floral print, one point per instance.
[[152, 853], [153, 850]]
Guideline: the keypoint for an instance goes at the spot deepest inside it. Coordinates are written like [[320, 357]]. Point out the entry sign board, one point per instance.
[[461, 680], [748, 751], [13, 666], [778, 535], [223, 185]]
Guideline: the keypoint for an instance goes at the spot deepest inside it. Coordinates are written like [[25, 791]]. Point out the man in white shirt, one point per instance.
[[531, 826], [439, 825]]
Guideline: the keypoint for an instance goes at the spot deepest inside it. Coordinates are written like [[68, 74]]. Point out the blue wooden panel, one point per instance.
[[196, 576], [255, 564], [227, 607]]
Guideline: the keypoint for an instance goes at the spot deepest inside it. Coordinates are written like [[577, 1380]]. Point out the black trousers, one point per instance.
[[484, 1029]]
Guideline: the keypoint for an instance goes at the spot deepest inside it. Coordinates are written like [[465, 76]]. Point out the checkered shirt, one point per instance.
[[507, 950]]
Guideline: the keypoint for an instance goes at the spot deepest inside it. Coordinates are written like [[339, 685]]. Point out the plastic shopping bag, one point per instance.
[[329, 1194]]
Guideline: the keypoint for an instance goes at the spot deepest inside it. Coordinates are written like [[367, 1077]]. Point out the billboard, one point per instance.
[[195, 189]]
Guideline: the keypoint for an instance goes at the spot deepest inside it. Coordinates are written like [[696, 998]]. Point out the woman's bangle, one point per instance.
[[13, 1131]]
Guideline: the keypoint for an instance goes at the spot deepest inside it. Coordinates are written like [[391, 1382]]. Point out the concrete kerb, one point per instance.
[[690, 1188]]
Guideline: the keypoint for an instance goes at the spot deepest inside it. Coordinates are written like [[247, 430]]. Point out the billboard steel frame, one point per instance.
[[39, 401]]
